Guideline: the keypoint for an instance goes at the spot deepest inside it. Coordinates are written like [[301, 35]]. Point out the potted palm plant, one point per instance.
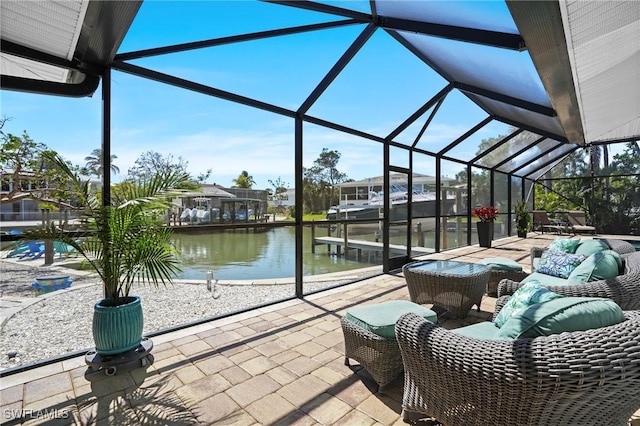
[[522, 219], [124, 243]]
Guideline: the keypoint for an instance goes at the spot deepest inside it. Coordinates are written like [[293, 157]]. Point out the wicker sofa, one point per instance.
[[620, 246], [623, 289], [574, 378]]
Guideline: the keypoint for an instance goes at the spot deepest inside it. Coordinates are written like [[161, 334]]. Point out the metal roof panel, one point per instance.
[[51, 27], [603, 41]]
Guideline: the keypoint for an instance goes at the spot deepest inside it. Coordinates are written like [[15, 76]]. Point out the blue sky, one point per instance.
[[381, 86]]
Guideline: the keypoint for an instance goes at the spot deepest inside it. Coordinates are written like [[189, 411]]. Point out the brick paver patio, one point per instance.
[[277, 365]]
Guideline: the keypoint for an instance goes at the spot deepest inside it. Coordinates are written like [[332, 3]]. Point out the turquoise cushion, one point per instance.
[[565, 245], [529, 294], [481, 330], [381, 318], [560, 315], [502, 264], [589, 246], [559, 264], [545, 280], [598, 266]]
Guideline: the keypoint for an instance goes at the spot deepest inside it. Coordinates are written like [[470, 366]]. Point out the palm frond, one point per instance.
[[124, 242]]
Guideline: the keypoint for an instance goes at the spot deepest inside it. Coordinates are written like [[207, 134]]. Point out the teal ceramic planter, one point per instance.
[[117, 329]]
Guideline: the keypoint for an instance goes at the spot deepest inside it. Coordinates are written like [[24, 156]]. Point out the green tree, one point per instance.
[[327, 163], [311, 191], [94, 163], [202, 177], [616, 194], [244, 180], [319, 181], [549, 200], [20, 159], [280, 187], [628, 161], [567, 193], [26, 170], [153, 163], [609, 192]]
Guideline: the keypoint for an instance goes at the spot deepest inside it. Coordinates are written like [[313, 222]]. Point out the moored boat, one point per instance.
[[423, 204]]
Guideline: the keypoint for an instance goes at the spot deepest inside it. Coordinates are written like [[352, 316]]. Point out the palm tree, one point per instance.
[[124, 242], [94, 163], [244, 180]]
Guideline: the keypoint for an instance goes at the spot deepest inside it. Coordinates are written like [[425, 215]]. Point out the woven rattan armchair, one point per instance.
[[580, 378], [623, 289]]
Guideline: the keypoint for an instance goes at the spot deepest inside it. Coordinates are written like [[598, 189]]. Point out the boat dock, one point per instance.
[[360, 245]]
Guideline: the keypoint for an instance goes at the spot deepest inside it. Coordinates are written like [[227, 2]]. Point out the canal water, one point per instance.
[[243, 255]]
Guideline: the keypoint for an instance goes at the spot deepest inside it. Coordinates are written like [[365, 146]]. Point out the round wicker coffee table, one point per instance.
[[449, 284]]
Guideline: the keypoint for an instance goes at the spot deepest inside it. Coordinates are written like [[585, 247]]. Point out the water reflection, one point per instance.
[[245, 255]]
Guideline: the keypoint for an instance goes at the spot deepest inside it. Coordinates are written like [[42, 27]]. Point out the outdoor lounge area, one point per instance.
[[405, 298], [282, 364]]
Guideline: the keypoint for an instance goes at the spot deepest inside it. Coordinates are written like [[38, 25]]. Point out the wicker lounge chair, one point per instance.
[[579, 378], [623, 289]]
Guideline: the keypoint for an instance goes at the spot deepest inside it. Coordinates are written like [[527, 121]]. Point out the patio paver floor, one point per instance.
[[281, 364]]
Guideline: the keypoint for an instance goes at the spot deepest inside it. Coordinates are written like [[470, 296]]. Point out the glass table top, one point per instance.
[[452, 267]]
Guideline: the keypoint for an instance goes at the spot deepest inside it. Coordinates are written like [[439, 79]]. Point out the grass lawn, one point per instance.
[[310, 216]]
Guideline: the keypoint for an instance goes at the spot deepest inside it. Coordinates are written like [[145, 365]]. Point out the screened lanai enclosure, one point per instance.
[[452, 105]]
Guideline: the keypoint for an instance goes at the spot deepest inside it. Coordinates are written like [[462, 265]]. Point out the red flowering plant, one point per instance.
[[485, 214]]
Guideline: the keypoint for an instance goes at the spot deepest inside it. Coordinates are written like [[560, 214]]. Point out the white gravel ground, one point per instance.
[[61, 322]]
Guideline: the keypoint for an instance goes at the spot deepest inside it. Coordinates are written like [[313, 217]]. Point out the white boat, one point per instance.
[[240, 214], [423, 204], [186, 215], [199, 215], [203, 216]]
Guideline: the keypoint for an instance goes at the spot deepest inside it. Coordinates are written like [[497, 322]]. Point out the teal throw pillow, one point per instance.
[[529, 294], [562, 315], [564, 245], [558, 264], [588, 246], [598, 266]]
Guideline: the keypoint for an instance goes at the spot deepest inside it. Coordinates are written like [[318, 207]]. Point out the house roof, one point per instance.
[[60, 48]]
